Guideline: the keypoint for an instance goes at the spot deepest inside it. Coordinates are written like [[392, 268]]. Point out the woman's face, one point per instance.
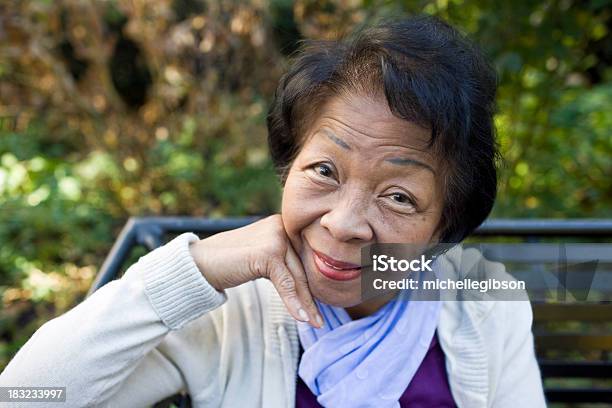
[[362, 176]]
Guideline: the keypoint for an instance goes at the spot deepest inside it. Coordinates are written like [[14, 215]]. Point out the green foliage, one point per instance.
[[175, 127], [117, 108], [553, 65]]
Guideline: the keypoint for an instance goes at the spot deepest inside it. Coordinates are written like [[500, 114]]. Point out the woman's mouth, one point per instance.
[[335, 269]]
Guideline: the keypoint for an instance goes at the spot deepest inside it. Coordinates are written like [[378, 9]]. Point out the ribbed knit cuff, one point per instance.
[[175, 286]]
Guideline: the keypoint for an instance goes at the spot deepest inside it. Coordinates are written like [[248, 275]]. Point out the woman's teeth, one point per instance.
[[336, 268]]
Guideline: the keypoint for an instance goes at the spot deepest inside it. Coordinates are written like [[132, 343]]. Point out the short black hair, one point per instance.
[[430, 74]]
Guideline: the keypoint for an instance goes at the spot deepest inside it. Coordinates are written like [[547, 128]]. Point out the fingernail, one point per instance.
[[303, 315], [319, 321]]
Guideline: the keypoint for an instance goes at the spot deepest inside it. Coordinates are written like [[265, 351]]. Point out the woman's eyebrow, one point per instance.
[[336, 139], [402, 161]]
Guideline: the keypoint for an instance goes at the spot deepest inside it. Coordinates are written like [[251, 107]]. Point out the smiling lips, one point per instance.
[[336, 270]]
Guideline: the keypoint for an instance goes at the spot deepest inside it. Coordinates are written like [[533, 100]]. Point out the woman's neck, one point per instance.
[[369, 306]]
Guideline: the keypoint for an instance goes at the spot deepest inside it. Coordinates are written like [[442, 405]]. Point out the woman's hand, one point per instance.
[[259, 250]]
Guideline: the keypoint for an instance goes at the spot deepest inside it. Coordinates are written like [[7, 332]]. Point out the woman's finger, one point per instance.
[[283, 281], [301, 286]]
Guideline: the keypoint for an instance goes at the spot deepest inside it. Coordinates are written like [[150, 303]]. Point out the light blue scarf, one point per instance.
[[367, 362]]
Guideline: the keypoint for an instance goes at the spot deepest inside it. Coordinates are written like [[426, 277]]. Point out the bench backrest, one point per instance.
[[573, 341]]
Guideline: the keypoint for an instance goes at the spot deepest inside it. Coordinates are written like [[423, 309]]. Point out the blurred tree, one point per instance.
[[114, 108]]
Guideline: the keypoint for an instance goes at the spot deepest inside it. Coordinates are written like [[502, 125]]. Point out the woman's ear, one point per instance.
[[437, 234]]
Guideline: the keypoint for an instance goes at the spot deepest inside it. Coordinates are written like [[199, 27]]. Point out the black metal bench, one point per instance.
[[565, 357]]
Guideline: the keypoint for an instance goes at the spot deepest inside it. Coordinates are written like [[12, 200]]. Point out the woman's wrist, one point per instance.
[[175, 287], [196, 249]]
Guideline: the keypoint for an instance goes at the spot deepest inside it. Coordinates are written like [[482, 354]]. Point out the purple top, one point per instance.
[[428, 388]]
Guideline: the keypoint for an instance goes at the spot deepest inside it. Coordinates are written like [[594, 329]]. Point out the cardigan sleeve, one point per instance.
[[104, 349], [520, 383]]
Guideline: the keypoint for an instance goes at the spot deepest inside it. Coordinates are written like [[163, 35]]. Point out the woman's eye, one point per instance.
[[401, 198], [323, 170]]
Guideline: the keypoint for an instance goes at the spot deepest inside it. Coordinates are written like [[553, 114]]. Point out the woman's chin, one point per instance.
[[336, 298]]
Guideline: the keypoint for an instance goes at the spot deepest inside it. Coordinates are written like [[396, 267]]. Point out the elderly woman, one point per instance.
[[383, 137]]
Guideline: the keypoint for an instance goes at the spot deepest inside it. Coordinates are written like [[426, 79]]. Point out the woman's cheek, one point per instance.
[[401, 228], [294, 204], [303, 204], [301, 192]]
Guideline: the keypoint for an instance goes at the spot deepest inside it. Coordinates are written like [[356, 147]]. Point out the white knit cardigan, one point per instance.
[[162, 328]]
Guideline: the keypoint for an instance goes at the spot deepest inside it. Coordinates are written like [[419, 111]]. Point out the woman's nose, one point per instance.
[[347, 220]]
